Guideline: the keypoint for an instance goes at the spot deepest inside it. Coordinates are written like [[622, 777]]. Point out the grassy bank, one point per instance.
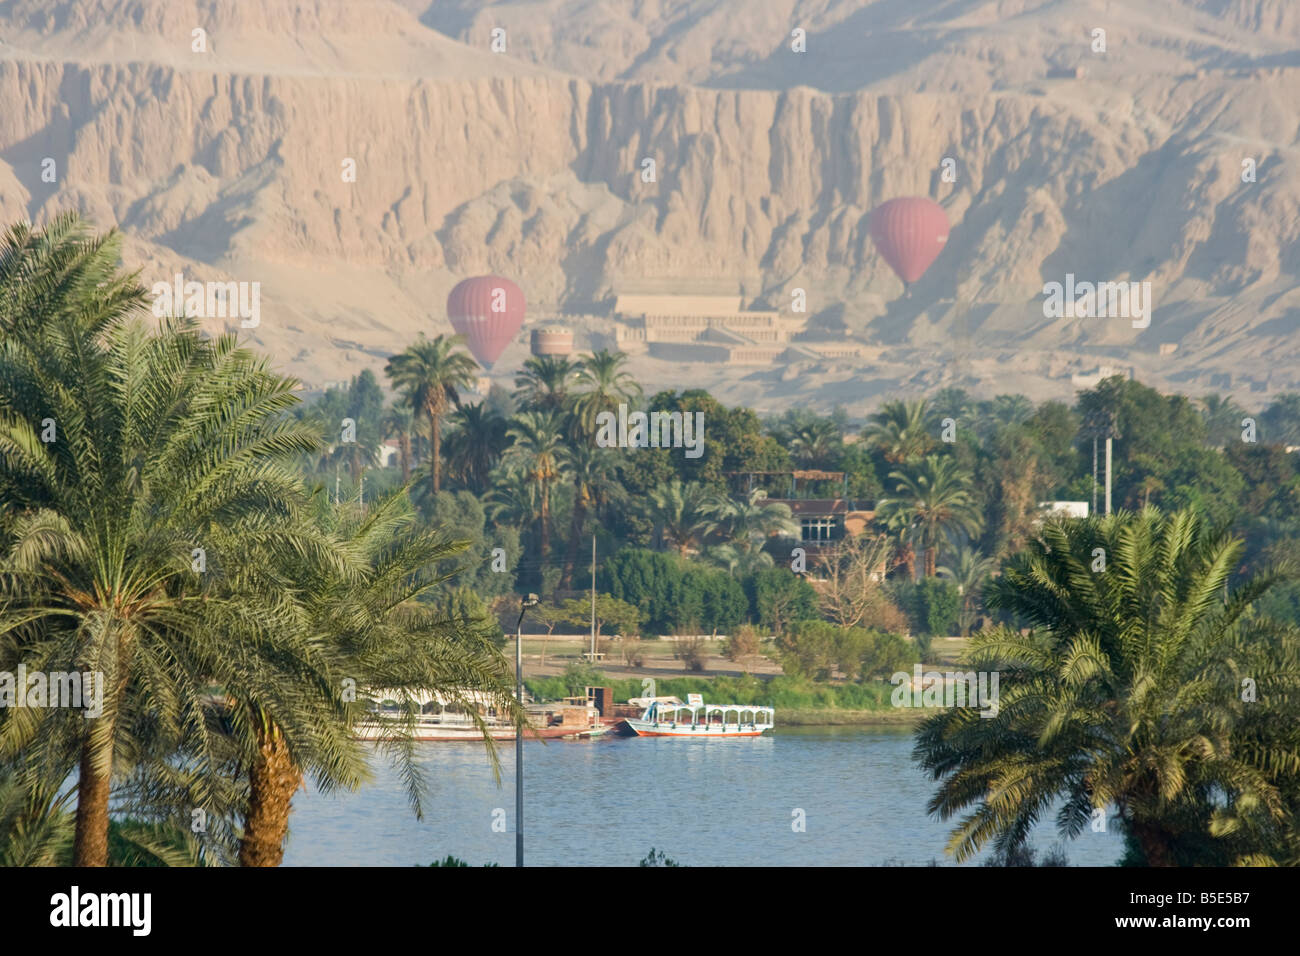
[[840, 717]]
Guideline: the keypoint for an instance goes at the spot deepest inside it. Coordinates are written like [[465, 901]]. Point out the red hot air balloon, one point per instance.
[[488, 311], [910, 233]]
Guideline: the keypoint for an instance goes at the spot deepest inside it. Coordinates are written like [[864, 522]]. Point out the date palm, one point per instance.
[[475, 445], [595, 483], [604, 385], [932, 500], [1125, 693], [970, 571], [537, 453], [683, 513], [814, 443], [373, 615], [1280, 422], [748, 523], [901, 430], [545, 382], [396, 424], [135, 542], [1012, 409], [430, 374]]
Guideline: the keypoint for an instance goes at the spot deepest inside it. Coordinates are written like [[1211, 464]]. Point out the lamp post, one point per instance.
[[524, 605]]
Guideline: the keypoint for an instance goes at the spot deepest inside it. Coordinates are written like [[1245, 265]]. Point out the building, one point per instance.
[[1102, 372], [1064, 509], [551, 340], [822, 521], [707, 328]]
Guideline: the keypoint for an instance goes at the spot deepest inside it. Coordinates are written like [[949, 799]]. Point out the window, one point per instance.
[[819, 529]]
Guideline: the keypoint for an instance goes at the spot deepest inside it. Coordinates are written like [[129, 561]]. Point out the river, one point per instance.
[[720, 802]]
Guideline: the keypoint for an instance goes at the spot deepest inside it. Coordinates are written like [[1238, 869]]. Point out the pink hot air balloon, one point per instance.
[[910, 233], [488, 311]]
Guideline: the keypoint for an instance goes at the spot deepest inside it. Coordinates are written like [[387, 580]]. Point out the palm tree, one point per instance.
[[901, 430], [475, 445], [430, 375], [934, 501], [376, 617], [1125, 693], [683, 513], [514, 501], [814, 443], [1012, 409], [747, 524], [1280, 422], [397, 424], [604, 385], [595, 482], [545, 382], [136, 544], [1222, 417], [969, 572], [537, 453]]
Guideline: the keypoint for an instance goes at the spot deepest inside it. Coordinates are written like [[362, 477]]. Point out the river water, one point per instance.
[[606, 802]]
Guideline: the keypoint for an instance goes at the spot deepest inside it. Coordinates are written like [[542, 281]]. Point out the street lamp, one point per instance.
[[524, 605]]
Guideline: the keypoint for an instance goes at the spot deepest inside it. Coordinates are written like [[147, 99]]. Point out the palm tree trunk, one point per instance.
[[575, 531], [931, 559], [544, 537], [404, 446], [435, 450], [273, 780], [95, 773], [908, 557], [1155, 844], [90, 846]]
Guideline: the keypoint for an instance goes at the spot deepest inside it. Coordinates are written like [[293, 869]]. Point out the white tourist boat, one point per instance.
[[437, 718], [698, 719]]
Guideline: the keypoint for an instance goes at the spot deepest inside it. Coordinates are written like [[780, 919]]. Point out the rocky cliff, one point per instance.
[[233, 162]]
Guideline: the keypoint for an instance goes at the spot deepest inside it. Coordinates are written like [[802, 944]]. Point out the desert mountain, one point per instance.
[[229, 163]]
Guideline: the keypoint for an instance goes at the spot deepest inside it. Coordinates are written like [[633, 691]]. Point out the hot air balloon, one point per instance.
[[488, 311], [910, 233]]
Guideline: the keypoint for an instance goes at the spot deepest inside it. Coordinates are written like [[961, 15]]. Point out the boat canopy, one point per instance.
[[713, 708]]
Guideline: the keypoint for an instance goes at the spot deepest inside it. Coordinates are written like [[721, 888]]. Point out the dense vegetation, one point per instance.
[[243, 567]]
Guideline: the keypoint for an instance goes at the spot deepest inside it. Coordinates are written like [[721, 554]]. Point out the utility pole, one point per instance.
[[524, 605], [1108, 444], [1094, 476]]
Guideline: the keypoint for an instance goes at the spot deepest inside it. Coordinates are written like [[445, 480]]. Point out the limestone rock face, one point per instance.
[[357, 159]]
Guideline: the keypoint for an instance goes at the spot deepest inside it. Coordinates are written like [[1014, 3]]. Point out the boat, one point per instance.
[[697, 719], [437, 718]]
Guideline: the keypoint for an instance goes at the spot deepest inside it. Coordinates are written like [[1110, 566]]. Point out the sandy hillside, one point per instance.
[[226, 164]]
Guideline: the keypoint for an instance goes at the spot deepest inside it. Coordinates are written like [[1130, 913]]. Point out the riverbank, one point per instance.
[[840, 717]]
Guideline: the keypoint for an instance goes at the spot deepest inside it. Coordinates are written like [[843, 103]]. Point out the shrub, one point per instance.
[[888, 654], [932, 605], [809, 648], [659, 858], [743, 645], [816, 648], [778, 597], [691, 652]]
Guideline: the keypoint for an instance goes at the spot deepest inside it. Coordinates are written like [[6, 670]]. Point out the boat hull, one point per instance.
[[495, 733], [650, 728]]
